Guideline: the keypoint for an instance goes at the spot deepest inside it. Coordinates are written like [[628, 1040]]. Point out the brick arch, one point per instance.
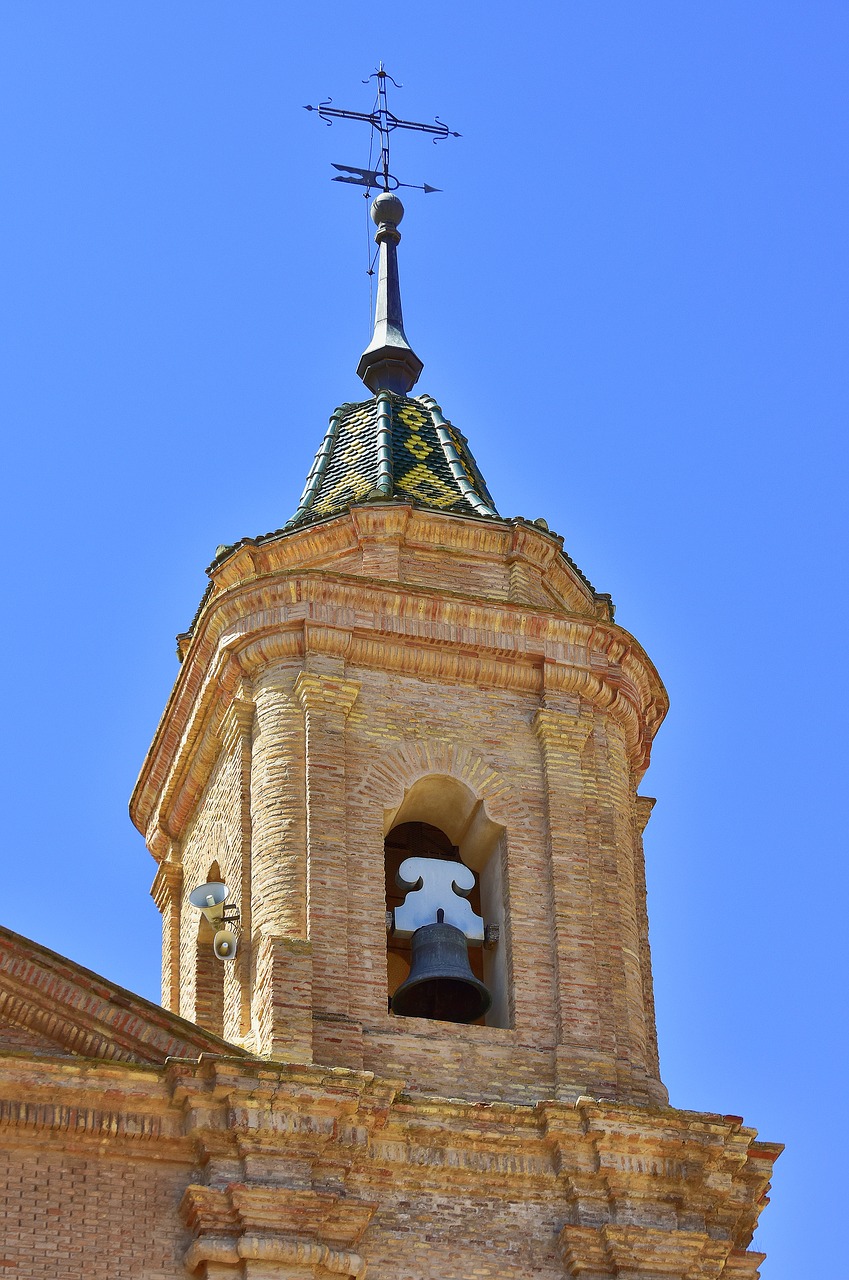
[[391, 776]]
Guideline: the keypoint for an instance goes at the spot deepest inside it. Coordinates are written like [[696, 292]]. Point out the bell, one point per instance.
[[441, 984]]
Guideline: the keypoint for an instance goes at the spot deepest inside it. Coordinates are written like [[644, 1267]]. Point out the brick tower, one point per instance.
[[402, 673]]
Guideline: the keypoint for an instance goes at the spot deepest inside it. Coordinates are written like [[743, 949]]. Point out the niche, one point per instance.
[[441, 818], [209, 972]]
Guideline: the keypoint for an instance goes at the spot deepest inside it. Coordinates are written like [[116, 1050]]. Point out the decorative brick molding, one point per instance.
[[396, 769], [289, 1226], [247, 1167]]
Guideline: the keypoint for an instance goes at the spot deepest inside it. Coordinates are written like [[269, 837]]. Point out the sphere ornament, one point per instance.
[[387, 208]]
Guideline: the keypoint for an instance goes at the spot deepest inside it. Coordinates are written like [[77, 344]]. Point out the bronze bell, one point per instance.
[[441, 984]]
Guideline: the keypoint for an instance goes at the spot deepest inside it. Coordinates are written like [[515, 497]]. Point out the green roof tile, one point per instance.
[[393, 447]]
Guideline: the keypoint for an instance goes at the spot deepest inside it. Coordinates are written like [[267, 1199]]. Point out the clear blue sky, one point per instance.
[[632, 297]]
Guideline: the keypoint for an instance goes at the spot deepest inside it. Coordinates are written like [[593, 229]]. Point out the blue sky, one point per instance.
[[631, 296]]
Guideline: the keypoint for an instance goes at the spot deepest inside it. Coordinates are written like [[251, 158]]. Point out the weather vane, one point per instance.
[[384, 121]]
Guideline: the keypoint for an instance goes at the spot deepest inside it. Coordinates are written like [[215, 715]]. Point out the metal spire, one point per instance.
[[388, 362]]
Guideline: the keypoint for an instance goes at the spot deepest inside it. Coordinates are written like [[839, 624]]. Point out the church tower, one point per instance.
[[399, 713]]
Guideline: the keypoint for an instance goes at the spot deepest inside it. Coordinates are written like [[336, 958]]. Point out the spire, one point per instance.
[[388, 362]]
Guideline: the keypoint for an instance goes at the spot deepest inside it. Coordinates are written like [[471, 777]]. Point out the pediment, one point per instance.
[[51, 1006]]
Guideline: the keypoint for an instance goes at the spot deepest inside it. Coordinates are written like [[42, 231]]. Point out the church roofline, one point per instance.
[[87, 1015]]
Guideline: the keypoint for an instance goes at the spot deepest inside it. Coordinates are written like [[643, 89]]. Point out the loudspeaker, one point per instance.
[[224, 944], [210, 899]]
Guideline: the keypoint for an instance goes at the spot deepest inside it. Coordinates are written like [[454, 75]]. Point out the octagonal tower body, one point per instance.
[[417, 659]]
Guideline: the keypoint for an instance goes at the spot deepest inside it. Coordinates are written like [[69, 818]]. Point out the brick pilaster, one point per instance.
[[283, 998], [236, 735], [326, 701], [563, 730], [166, 891], [278, 842], [643, 806], [380, 532], [616, 846]]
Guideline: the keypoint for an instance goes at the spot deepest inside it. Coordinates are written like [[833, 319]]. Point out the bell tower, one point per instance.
[[402, 713]]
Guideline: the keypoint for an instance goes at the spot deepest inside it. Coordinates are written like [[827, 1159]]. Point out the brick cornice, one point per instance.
[[414, 631], [643, 809], [601, 1168], [167, 884], [294, 576], [604, 1165], [451, 535]]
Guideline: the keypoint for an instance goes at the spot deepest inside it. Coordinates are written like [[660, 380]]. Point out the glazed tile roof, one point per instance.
[[393, 447]]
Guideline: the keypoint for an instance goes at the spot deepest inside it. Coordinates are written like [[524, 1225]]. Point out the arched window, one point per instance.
[[440, 818]]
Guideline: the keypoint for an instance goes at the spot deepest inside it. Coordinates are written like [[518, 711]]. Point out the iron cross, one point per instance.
[[384, 121]]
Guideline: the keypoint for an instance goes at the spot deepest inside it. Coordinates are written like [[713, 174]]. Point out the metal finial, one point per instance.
[[388, 362]]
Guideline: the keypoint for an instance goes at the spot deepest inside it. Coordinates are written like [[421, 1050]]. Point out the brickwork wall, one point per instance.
[[407, 726], [428, 569], [428, 1232], [65, 1216], [344, 694], [328, 756]]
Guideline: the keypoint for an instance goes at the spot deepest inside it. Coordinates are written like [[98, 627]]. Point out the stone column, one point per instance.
[[585, 1045], [326, 700]]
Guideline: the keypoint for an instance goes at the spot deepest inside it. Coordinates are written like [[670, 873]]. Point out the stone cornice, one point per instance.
[[298, 1226], [602, 1166], [411, 630], [451, 535]]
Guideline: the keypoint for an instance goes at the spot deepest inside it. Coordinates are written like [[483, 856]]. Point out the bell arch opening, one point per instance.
[[441, 819]]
